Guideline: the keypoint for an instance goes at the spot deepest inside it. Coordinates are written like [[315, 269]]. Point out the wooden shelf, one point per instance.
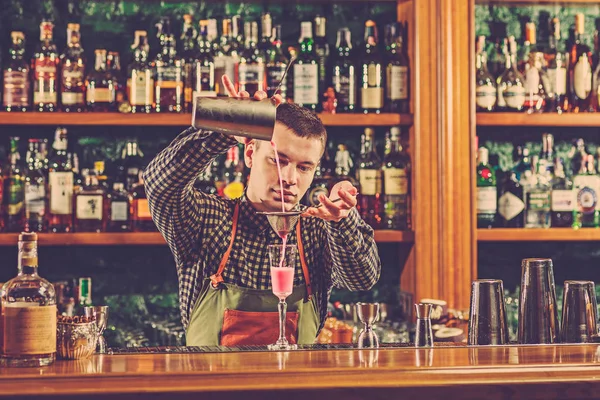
[[538, 235], [151, 238], [550, 119], [119, 119]]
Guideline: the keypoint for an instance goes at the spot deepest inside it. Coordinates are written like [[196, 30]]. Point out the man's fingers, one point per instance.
[[347, 198], [333, 209], [229, 87], [260, 95], [277, 99], [243, 94]]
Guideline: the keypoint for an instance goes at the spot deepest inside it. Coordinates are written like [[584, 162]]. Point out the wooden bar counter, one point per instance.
[[509, 372]]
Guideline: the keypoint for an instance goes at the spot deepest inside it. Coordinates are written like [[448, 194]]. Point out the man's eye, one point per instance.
[[304, 169]]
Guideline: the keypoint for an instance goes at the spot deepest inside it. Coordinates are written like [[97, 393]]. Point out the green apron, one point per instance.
[[217, 296]]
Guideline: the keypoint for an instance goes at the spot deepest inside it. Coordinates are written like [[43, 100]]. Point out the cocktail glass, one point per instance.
[[282, 260]]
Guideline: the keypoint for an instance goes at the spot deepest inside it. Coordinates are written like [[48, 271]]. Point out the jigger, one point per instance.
[[487, 317], [579, 313], [538, 315], [101, 315], [424, 333], [367, 313]]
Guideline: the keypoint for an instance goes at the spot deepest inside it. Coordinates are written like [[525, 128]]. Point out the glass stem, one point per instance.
[[282, 306]]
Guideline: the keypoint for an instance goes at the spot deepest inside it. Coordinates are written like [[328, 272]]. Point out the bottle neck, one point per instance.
[[28, 258], [396, 146], [100, 62]]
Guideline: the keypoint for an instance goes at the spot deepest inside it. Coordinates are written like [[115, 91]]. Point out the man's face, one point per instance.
[[298, 158]]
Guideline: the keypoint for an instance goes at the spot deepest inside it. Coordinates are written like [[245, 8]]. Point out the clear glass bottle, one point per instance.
[[344, 72], [535, 93], [556, 71], [306, 70], [511, 89], [487, 201], [60, 185], [372, 85], [511, 205], [322, 51], [16, 96], [119, 211], [369, 176], [44, 68], [250, 69], [580, 70], [101, 87], [587, 189], [396, 184], [397, 70], [140, 211], [28, 300], [203, 83], [169, 80], [485, 85], [563, 198], [537, 197], [72, 71], [140, 82], [89, 205], [35, 189], [277, 63]]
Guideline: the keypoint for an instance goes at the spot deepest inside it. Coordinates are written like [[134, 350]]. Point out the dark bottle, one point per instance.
[[547, 152], [266, 29], [511, 205], [140, 82], [369, 176], [371, 91], [169, 81], [487, 201], [14, 190], [563, 198], [322, 180], [44, 67], [277, 63], [101, 90], [250, 69], [203, 83], [556, 71], [89, 205], [113, 65], [16, 77], [119, 209], [35, 189], [131, 164], [344, 72], [397, 70], [188, 39], [306, 71], [72, 71], [322, 50], [140, 212], [523, 164], [225, 53], [485, 84], [60, 185], [580, 70]]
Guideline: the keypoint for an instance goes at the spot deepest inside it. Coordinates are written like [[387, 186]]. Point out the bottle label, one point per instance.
[[539, 201], [143, 210], [71, 98], [514, 96], [345, 87], [29, 328], [35, 196], [395, 181], [169, 74], [274, 75], [563, 200], [374, 75], [587, 188], [16, 89], [397, 82], [370, 181], [205, 78], [485, 96], [44, 69], [315, 192], [371, 97], [118, 210], [582, 77], [72, 77], [322, 53], [532, 81], [89, 207], [45, 81], [509, 206], [140, 87], [61, 192], [15, 195], [306, 83], [557, 81], [486, 200], [100, 95], [251, 74]]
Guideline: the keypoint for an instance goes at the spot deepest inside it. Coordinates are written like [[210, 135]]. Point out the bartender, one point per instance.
[[220, 245]]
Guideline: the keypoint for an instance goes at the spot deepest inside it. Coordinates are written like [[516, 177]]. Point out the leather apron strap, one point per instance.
[[305, 272], [217, 278]]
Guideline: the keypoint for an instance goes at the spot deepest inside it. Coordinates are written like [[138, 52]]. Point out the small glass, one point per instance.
[[282, 260]]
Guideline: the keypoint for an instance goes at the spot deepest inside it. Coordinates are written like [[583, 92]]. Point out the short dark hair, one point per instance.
[[302, 122]]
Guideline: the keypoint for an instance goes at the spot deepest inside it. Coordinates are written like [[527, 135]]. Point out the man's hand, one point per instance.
[[260, 95], [330, 211]]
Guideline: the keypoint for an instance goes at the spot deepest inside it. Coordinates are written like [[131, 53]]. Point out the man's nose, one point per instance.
[[289, 174]]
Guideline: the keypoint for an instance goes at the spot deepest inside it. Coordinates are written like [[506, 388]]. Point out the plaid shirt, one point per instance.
[[198, 227]]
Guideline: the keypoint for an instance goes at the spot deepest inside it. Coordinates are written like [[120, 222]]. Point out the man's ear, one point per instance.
[[249, 152]]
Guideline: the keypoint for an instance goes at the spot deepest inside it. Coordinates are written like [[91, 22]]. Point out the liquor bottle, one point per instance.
[[371, 92], [266, 29], [322, 180], [35, 190], [523, 54], [224, 57], [511, 90], [485, 86], [306, 70], [14, 189], [250, 69], [547, 152], [131, 164], [369, 176], [28, 300], [344, 72], [119, 204], [233, 174], [89, 205], [322, 51], [397, 71], [44, 66], [577, 155], [78, 178], [169, 80], [497, 57], [72, 71], [60, 185], [203, 80], [563, 198], [556, 71], [511, 205], [113, 66], [99, 168], [524, 162], [140, 212], [537, 197], [44, 156], [396, 183], [277, 63], [580, 70], [140, 82], [535, 95], [189, 36], [84, 293], [101, 87], [587, 189], [16, 77], [487, 202]]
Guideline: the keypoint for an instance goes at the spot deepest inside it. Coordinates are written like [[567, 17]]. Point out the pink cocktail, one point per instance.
[[282, 280], [282, 260]]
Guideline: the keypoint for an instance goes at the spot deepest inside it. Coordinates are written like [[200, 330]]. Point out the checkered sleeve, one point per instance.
[[178, 210], [351, 253]]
